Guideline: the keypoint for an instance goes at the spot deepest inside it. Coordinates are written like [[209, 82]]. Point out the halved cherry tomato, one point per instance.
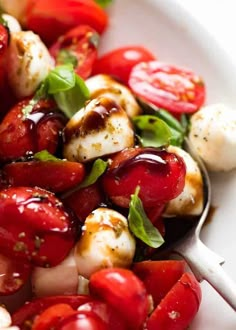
[[51, 19], [175, 89], [159, 174], [79, 47], [82, 320], [34, 226], [52, 316], [178, 308], [39, 130], [45, 174], [4, 39], [27, 313], [159, 276], [123, 291], [119, 62], [13, 274]]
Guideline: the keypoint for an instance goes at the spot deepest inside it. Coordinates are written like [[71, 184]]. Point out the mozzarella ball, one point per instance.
[[105, 242], [29, 62], [5, 318], [213, 134], [191, 200], [59, 280], [99, 129], [104, 85], [12, 23], [15, 8]]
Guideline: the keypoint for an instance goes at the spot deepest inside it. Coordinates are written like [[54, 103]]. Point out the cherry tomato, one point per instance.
[[45, 174], [159, 174], [51, 19], [154, 214], [178, 308], [84, 201], [27, 313], [119, 62], [4, 39], [79, 47], [34, 226], [52, 316], [123, 291], [175, 89], [13, 274], [38, 131], [159, 276]]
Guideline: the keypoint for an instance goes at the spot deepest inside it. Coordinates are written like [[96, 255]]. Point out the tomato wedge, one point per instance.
[[175, 89], [119, 62], [51, 19], [178, 308]]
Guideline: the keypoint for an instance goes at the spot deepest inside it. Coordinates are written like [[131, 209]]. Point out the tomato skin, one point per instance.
[[45, 174], [179, 307], [81, 43], [14, 274], [40, 130], [124, 292], [4, 39], [30, 310], [175, 89], [51, 19], [32, 223], [119, 62], [159, 276], [149, 168], [52, 316]]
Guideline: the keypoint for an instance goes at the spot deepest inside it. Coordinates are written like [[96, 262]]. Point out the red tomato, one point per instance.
[[40, 130], [82, 320], [26, 314], [122, 290], [175, 89], [4, 39], [179, 307], [51, 19], [52, 316], [13, 274], [159, 174], [79, 47], [119, 62], [34, 226], [45, 174], [154, 214], [159, 276]]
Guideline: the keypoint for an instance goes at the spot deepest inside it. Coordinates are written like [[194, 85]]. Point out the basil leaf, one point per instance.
[[154, 132], [45, 156], [103, 3], [41, 93], [177, 138], [140, 225], [170, 120], [61, 78], [66, 57], [73, 99], [98, 168]]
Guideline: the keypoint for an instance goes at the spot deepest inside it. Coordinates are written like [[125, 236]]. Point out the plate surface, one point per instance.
[[166, 29]]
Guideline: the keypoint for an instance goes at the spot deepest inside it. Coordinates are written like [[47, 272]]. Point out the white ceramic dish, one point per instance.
[[175, 37]]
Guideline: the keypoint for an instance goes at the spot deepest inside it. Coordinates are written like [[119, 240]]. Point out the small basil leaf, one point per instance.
[[170, 120], [45, 156], [140, 225], [185, 122], [154, 132], [103, 3], [177, 138], [66, 57], [73, 99], [41, 93], [61, 78], [98, 168]]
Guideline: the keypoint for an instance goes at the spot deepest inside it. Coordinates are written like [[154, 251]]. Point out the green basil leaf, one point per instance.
[[103, 3], [177, 138], [140, 225], [185, 122], [154, 132], [45, 156], [39, 94], [61, 78], [98, 168], [66, 57], [73, 99], [170, 120]]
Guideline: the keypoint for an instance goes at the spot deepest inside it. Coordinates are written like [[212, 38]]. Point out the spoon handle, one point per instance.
[[205, 264]]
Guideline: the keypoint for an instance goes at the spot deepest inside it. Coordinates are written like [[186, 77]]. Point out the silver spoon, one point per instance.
[[205, 264]]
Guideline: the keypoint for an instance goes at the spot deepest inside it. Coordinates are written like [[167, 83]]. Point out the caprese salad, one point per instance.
[[93, 169]]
